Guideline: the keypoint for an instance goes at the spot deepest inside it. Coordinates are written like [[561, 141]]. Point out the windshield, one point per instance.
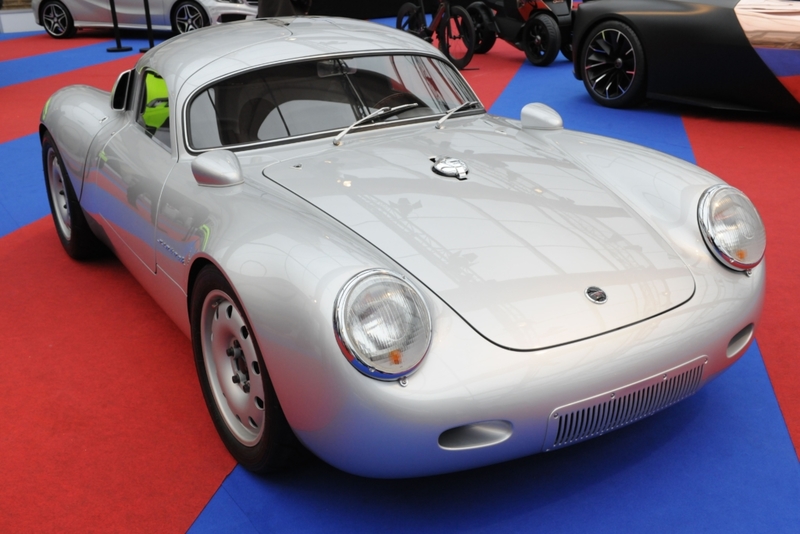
[[318, 96]]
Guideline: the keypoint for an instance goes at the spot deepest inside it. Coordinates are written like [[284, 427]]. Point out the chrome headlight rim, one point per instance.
[[347, 345], [704, 221]]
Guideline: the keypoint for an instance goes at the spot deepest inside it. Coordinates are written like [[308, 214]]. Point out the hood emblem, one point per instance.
[[596, 295], [450, 167]]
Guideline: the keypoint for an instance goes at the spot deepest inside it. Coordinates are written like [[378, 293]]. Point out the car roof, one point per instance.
[[218, 51]]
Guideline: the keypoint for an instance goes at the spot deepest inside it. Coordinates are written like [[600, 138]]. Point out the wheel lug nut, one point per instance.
[[235, 379], [229, 351], [246, 387]]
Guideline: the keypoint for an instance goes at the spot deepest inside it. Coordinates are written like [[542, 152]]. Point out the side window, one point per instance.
[[154, 109]]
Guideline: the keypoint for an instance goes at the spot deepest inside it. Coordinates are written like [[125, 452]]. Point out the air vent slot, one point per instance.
[[740, 340], [475, 435], [597, 415]]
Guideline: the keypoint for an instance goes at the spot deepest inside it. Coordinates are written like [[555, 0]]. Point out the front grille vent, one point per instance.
[[595, 416]]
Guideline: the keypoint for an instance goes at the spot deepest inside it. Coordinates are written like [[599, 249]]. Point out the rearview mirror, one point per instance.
[[540, 117], [217, 168]]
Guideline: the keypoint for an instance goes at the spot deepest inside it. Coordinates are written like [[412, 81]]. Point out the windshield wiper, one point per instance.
[[457, 108], [380, 113]]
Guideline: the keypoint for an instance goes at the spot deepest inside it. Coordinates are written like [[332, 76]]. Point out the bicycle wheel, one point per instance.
[[411, 19], [457, 37], [483, 20]]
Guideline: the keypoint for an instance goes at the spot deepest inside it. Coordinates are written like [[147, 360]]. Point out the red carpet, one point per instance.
[[21, 104], [145, 457], [489, 74], [762, 159]]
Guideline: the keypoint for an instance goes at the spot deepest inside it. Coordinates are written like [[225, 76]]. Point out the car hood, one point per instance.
[[512, 248]]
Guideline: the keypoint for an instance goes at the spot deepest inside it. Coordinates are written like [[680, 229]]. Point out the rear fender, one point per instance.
[[74, 116]]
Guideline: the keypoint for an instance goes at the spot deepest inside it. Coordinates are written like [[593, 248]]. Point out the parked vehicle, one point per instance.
[[370, 265], [451, 25], [734, 54], [538, 27], [62, 18]]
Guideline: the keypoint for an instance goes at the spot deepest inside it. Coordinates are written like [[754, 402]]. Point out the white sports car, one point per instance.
[[371, 266], [62, 18]]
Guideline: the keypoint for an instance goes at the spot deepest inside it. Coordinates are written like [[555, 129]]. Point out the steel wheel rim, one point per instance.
[[187, 18], [610, 64], [232, 368], [538, 37], [55, 19], [58, 194]]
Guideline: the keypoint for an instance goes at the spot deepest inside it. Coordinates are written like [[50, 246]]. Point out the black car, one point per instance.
[[734, 54]]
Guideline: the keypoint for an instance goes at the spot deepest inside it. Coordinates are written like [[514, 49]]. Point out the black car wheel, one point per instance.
[[57, 20], [457, 37], [566, 46], [410, 18], [188, 16], [71, 226], [614, 65], [541, 40], [482, 19], [235, 383]]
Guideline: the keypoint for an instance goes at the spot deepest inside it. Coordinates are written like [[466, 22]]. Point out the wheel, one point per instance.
[[410, 18], [71, 226], [614, 65], [457, 37], [485, 35], [566, 47], [541, 40], [235, 383], [188, 16], [57, 20]]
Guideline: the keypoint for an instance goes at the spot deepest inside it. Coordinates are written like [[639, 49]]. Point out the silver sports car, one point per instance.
[[61, 18], [371, 266]]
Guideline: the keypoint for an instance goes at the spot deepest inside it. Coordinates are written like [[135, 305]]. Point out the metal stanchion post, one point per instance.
[[119, 47], [149, 26]]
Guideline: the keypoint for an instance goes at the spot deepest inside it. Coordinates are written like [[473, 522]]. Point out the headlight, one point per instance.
[[382, 324], [731, 227]]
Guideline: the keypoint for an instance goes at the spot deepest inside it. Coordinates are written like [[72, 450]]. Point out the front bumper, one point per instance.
[[472, 403]]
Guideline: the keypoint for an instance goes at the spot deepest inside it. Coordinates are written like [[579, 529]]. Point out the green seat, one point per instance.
[[156, 108]]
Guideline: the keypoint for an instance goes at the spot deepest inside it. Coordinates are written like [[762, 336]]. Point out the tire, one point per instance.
[[541, 40], [188, 16], [235, 383], [71, 226], [411, 19], [457, 37], [57, 20], [566, 47], [482, 19], [613, 64]]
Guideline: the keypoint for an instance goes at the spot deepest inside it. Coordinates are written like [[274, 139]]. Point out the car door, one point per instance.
[[128, 11], [132, 169], [132, 12]]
